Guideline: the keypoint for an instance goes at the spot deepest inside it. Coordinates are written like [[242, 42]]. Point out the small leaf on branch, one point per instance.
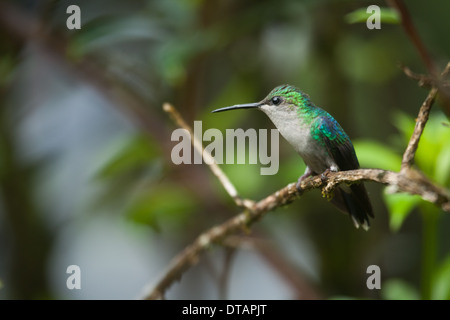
[[387, 15]]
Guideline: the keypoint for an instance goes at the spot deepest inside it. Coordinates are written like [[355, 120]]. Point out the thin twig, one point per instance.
[[207, 158], [423, 81], [422, 118], [408, 156], [426, 81]]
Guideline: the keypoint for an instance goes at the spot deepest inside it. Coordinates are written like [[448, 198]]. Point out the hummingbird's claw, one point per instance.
[[308, 173], [324, 175], [298, 186]]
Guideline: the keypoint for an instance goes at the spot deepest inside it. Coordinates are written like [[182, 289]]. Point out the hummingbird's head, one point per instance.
[[279, 103], [284, 97]]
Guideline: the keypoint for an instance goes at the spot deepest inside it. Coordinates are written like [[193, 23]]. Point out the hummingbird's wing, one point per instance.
[[337, 143], [355, 201]]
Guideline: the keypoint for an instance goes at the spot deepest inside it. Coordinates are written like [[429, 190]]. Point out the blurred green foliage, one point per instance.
[[396, 289], [432, 157], [441, 281], [132, 179], [201, 55]]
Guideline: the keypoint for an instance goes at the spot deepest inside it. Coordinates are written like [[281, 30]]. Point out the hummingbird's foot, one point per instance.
[[324, 175], [328, 189], [307, 174], [298, 186]]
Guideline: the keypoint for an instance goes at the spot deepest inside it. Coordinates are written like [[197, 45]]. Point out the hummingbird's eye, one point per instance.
[[276, 100]]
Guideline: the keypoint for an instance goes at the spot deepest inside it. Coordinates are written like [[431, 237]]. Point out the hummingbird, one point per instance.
[[320, 140]]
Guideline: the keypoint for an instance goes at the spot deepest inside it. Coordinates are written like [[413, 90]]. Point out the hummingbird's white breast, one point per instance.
[[298, 133]]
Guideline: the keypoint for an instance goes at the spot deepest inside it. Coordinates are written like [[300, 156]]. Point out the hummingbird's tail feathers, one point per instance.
[[365, 225], [356, 203]]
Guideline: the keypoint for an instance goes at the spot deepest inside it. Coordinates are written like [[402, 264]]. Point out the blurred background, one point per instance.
[[86, 173]]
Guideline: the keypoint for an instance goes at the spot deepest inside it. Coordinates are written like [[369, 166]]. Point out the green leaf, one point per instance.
[[433, 152], [390, 16], [387, 15], [399, 206], [372, 154], [405, 124], [443, 166], [396, 289], [441, 282]]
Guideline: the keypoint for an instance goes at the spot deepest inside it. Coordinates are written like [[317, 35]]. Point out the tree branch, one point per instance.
[[408, 156], [412, 183]]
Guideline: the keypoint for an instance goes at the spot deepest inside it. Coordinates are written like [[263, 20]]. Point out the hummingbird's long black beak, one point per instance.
[[239, 106]]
